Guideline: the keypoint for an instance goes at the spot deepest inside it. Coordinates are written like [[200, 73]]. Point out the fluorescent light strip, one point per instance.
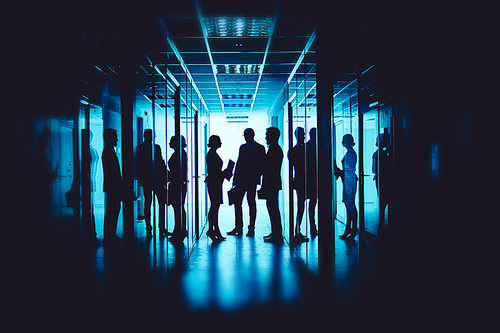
[[261, 70], [182, 63], [302, 54], [306, 94], [214, 70]]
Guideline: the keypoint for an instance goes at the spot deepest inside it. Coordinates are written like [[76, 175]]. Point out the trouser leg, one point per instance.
[[252, 205], [238, 215], [113, 206], [148, 198], [274, 215]]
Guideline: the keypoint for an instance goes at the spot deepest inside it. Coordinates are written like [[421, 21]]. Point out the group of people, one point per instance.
[[254, 166], [153, 176]]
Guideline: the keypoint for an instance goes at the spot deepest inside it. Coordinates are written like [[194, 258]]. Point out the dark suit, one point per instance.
[[246, 177], [113, 185], [271, 185], [177, 189], [152, 185]]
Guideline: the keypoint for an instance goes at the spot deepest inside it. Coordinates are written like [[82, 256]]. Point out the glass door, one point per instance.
[[377, 152], [299, 163], [346, 122], [99, 110]]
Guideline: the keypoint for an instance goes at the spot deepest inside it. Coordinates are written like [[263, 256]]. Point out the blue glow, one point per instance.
[[435, 161]]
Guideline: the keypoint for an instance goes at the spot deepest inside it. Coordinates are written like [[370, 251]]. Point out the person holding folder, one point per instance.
[[214, 180]]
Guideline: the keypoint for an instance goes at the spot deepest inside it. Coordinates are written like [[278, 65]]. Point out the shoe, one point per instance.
[[235, 232], [268, 236], [250, 233], [299, 238], [149, 234], [177, 236], [219, 239], [353, 234], [211, 234], [345, 234], [274, 240], [314, 233], [219, 235], [165, 233]]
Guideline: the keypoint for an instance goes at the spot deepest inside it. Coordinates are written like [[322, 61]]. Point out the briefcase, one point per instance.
[[234, 195]]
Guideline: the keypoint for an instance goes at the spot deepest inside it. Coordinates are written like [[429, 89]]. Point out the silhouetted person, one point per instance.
[[93, 158], [382, 170], [271, 184], [246, 178], [311, 179], [153, 179], [214, 180], [113, 185], [177, 186], [349, 179], [297, 157]]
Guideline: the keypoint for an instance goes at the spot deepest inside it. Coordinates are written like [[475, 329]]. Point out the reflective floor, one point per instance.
[[241, 277]]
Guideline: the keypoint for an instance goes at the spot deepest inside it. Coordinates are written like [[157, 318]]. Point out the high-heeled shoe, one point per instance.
[[211, 234], [219, 236], [353, 234], [165, 233]]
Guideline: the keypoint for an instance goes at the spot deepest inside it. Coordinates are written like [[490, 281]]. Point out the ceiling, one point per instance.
[[239, 59]]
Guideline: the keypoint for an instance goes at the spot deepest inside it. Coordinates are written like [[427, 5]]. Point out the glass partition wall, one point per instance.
[[299, 164], [99, 110], [361, 110], [164, 102]]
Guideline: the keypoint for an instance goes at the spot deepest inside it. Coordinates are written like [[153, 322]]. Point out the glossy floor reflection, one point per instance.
[[241, 276], [236, 274], [240, 271]]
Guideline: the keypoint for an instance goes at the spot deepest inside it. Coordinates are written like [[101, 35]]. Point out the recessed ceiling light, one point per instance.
[[238, 69], [237, 26]]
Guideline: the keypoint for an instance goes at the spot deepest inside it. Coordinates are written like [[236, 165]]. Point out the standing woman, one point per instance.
[[350, 181], [214, 180], [177, 187]]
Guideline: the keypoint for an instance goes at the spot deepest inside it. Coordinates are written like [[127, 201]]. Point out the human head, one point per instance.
[[148, 135], [249, 134], [300, 134], [272, 135], [214, 142], [348, 140], [174, 142], [110, 136], [312, 134]]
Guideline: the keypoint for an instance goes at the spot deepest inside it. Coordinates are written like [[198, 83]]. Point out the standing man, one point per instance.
[[312, 187], [113, 185], [246, 178], [297, 157], [271, 184], [153, 180]]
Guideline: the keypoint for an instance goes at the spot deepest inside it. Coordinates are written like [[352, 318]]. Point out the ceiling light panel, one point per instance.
[[237, 96], [237, 69], [237, 105], [237, 26]]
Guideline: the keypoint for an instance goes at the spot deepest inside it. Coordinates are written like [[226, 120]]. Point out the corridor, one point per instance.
[[370, 139]]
